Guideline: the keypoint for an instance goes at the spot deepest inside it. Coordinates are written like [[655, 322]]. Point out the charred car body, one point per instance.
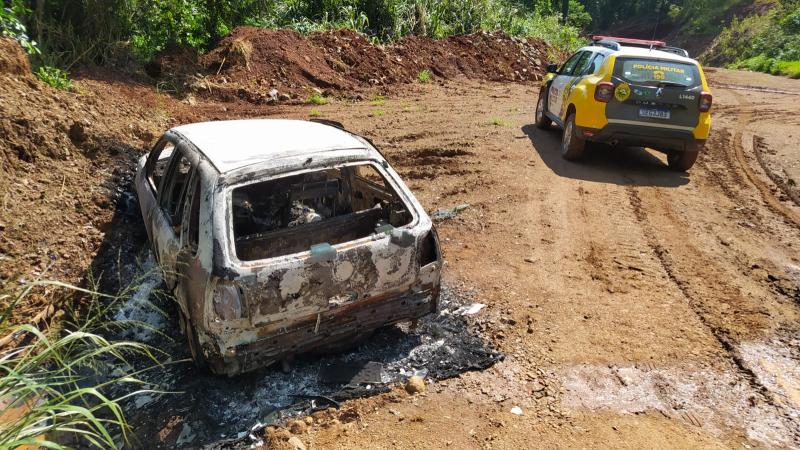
[[280, 237]]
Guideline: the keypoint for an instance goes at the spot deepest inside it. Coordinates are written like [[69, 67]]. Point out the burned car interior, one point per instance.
[[288, 215]]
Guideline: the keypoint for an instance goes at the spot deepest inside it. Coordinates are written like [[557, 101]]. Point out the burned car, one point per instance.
[[279, 237]]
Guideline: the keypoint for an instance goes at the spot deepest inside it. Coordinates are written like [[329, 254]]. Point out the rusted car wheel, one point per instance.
[[194, 343]]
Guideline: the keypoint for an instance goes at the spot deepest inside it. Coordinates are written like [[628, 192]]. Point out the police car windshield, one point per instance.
[[657, 72]]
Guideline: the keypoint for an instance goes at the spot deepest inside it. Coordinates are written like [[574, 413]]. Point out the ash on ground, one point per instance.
[[206, 410]]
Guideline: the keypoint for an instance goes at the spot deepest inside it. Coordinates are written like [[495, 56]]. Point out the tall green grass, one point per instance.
[[54, 384]]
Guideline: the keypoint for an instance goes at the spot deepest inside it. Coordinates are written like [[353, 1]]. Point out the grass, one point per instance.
[[424, 76], [315, 112], [377, 113], [498, 122], [56, 383], [762, 63], [318, 99], [377, 100]]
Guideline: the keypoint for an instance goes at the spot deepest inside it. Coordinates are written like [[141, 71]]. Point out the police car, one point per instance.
[[632, 92]]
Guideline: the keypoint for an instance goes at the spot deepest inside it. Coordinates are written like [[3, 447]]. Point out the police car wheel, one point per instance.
[[542, 121], [572, 145], [682, 161]]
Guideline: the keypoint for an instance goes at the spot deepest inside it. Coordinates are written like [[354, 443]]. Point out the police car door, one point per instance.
[[559, 87]]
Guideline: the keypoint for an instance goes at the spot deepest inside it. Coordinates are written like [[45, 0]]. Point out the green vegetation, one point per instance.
[[317, 99], [315, 112], [766, 43], [424, 76], [55, 77], [109, 32], [377, 100], [56, 383], [498, 122]]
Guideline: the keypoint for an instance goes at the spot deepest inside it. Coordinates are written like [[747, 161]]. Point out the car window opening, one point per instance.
[[288, 215]]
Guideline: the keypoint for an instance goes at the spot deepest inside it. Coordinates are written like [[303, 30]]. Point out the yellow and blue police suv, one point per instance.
[[628, 92]]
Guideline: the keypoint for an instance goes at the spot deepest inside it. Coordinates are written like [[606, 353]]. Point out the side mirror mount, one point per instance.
[[552, 68]]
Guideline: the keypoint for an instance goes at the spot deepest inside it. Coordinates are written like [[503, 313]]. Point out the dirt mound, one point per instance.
[[174, 61], [254, 63], [65, 159], [13, 59]]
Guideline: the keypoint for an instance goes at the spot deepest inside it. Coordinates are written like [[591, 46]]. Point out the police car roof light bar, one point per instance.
[[629, 41]]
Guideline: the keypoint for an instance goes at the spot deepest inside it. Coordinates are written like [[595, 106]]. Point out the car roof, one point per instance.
[[232, 144], [640, 52]]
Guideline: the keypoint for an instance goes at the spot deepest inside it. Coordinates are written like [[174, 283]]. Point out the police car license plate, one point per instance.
[[654, 113]]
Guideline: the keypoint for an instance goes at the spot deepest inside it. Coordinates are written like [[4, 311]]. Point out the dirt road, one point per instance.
[[638, 307]]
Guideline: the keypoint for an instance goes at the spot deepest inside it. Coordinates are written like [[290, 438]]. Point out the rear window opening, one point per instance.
[[288, 215], [657, 72]]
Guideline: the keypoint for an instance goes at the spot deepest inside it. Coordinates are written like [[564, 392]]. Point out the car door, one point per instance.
[[148, 182], [166, 220], [557, 85], [555, 96], [191, 285]]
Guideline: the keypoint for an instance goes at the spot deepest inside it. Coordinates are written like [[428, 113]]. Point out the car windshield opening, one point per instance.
[[655, 72], [288, 215]]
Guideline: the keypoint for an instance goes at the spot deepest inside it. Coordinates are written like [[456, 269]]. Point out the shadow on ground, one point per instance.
[[603, 164]]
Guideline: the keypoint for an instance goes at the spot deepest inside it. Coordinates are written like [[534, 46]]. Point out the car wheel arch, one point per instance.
[[571, 110]]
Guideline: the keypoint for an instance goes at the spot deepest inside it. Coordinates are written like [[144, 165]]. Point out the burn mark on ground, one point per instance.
[[219, 412]]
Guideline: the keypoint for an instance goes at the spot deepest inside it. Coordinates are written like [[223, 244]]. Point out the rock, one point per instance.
[[309, 420], [415, 385], [273, 94], [295, 443], [517, 411], [284, 97]]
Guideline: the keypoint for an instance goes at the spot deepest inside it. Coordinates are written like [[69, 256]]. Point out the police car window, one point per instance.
[[597, 63], [654, 72], [580, 66], [569, 66]]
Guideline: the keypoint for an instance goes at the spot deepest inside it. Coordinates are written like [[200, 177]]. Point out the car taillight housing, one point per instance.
[[705, 101], [227, 302], [604, 92]]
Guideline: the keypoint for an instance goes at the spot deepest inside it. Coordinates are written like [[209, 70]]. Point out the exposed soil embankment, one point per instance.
[[65, 160], [257, 64]]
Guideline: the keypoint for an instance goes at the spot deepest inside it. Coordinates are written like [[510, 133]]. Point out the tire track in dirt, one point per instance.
[[758, 148], [743, 119], [667, 264], [699, 306]]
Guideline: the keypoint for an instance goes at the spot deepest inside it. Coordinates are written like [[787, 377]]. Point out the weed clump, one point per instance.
[[318, 99], [55, 77], [424, 76]]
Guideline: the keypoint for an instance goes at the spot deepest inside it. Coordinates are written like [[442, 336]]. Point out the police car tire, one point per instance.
[[572, 145], [682, 161], [542, 122]]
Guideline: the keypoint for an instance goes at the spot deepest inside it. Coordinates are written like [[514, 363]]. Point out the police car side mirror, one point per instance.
[[552, 68]]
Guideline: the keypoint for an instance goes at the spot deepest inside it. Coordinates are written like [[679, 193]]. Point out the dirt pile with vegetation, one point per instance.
[[259, 64], [65, 159], [12, 59]]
